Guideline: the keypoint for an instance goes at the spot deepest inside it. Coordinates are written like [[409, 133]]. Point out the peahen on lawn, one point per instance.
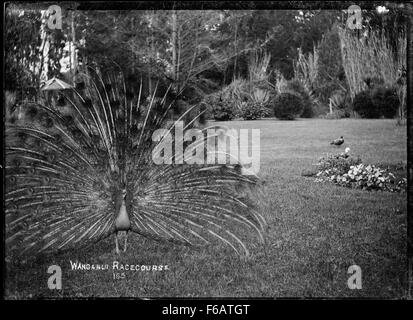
[[77, 175], [338, 142]]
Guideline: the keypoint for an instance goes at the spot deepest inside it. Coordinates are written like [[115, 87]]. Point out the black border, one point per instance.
[[154, 304]]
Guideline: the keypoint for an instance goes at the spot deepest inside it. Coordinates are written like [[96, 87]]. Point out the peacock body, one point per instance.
[[79, 174]]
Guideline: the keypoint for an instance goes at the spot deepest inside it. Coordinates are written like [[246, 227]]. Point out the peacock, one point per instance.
[[79, 174]]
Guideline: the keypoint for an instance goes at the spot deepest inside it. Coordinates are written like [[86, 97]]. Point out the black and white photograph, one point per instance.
[[215, 150]]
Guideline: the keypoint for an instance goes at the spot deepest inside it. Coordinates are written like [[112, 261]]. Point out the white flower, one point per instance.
[[347, 150]]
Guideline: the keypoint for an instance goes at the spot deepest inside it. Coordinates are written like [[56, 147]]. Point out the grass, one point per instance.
[[315, 231]]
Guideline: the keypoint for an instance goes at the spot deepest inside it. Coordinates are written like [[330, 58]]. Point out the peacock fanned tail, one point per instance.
[[65, 169]]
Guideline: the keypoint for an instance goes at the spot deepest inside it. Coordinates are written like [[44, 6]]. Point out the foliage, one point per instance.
[[363, 105], [239, 98], [340, 106], [306, 68], [32, 51], [202, 50], [385, 100], [297, 86], [279, 80], [260, 96], [254, 110], [377, 102], [279, 32], [225, 104], [258, 67], [331, 76], [237, 91], [219, 109], [370, 56], [336, 114], [223, 111], [288, 105]]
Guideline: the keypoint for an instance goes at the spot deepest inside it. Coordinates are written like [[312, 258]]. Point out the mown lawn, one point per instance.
[[315, 231]]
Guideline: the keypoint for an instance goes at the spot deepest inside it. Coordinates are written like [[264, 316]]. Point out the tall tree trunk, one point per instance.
[[74, 48], [174, 46], [150, 66], [153, 53], [234, 75]]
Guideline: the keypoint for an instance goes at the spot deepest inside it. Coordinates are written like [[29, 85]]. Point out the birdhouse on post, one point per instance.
[[55, 85]]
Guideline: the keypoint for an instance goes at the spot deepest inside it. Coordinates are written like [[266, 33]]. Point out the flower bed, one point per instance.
[[350, 172]]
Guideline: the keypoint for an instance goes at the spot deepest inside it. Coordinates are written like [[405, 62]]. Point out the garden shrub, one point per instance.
[[225, 104], [386, 101], [363, 105], [337, 114], [341, 101], [378, 102], [236, 91], [288, 105], [254, 110], [331, 75], [296, 86], [222, 110], [260, 96]]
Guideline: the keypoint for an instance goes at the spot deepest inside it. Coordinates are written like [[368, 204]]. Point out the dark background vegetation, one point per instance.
[[202, 53]]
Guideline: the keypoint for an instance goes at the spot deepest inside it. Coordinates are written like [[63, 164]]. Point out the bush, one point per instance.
[[308, 111], [341, 106], [222, 110], [386, 101], [254, 110], [363, 105], [260, 96], [378, 102], [297, 87], [288, 105], [237, 91], [331, 75], [336, 114]]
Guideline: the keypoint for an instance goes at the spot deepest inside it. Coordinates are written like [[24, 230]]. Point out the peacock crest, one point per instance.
[[79, 174]]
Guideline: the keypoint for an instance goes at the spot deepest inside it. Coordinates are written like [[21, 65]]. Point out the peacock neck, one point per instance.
[[122, 220]]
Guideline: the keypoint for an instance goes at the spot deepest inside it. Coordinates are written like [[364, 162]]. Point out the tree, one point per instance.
[[32, 51], [331, 76]]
